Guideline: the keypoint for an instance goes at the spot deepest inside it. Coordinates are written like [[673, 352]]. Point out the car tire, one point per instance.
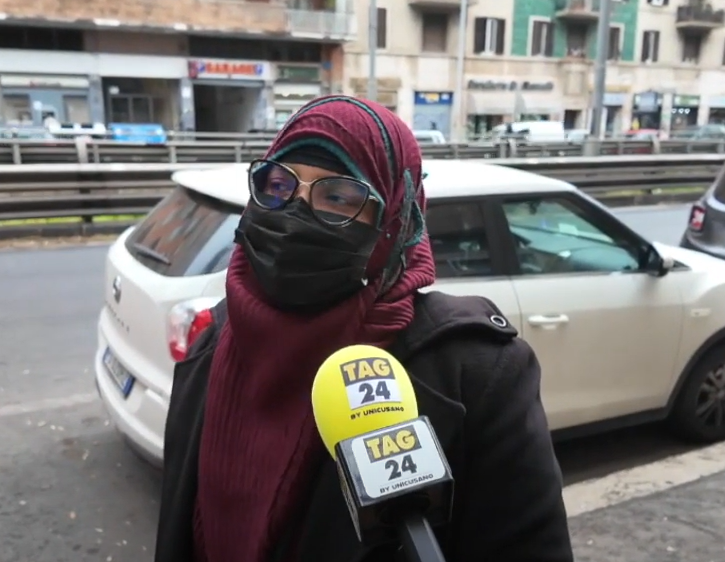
[[705, 384]]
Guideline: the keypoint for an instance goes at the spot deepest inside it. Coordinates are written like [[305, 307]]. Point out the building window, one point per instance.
[[435, 33], [382, 28], [131, 108], [489, 36], [615, 43], [41, 38], [576, 42], [650, 46], [691, 49], [16, 109], [76, 109], [542, 39]]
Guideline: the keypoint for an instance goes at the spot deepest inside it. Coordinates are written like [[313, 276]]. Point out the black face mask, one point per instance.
[[301, 263]]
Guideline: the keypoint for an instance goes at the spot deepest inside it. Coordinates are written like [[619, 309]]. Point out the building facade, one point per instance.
[[206, 66], [533, 59]]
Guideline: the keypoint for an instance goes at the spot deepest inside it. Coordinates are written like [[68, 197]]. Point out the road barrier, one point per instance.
[[83, 150], [40, 199]]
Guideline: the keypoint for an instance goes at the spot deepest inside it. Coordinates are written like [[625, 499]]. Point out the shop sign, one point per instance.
[[685, 101], [647, 101], [433, 98], [290, 73], [228, 69], [716, 102], [511, 85], [40, 81], [614, 100]]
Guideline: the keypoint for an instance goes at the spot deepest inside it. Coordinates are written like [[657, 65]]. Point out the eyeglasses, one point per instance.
[[335, 200]]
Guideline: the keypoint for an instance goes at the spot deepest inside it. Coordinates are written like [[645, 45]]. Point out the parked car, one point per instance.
[[531, 132], [430, 136], [705, 231], [712, 132], [627, 331]]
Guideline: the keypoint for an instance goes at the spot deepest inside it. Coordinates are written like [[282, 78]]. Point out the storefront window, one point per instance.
[[534, 117], [76, 109], [281, 117], [646, 120], [717, 116], [132, 109], [479, 125], [16, 109]]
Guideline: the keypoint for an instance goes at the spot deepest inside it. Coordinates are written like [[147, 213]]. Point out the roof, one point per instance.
[[446, 178]]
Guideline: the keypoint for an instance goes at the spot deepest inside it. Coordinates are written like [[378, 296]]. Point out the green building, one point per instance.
[[561, 28]]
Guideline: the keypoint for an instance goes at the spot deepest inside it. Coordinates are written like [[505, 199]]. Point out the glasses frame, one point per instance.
[[252, 191]]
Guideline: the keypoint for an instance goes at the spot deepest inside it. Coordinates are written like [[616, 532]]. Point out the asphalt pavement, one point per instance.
[[71, 491]]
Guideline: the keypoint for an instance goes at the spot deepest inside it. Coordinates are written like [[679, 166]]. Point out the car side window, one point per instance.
[[555, 235], [458, 238]]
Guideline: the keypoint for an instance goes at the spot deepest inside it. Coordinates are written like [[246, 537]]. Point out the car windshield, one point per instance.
[[185, 234]]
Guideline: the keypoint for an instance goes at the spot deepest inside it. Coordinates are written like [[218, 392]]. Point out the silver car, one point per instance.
[[705, 230]]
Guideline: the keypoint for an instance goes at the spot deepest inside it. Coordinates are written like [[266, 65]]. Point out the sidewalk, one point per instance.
[[681, 524]]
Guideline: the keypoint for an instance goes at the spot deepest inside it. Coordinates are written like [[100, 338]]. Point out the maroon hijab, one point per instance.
[[259, 439]]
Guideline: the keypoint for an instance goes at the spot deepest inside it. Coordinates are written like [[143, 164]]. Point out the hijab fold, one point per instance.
[[259, 439]]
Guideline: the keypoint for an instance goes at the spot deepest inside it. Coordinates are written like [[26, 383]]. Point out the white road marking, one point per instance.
[[47, 404], [644, 480]]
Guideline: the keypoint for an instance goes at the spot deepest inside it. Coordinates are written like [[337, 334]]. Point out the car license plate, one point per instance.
[[120, 375]]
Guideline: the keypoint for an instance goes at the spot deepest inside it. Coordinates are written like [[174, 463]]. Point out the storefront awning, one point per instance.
[[511, 103], [489, 103]]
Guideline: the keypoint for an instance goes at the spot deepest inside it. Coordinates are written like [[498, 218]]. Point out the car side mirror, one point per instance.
[[657, 264]]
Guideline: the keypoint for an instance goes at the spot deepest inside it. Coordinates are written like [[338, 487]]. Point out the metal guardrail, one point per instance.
[[83, 150], [40, 199]]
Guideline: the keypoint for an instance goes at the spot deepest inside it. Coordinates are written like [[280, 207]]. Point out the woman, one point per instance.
[[332, 251]]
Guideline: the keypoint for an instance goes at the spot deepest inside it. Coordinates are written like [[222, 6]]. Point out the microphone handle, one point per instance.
[[418, 541]]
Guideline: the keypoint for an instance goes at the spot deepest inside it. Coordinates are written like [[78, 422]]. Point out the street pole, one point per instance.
[[600, 67], [459, 107], [372, 50]]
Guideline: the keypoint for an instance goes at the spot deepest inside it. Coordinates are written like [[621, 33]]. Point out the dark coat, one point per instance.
[[479, 385]]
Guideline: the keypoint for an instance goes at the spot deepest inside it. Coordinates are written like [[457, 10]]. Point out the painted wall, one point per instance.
[[624, 13]]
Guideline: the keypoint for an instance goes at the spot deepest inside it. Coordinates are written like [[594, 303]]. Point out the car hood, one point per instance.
[[694, 260]]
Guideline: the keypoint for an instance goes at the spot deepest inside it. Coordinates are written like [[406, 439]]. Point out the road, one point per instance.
[[660, 224], [71, 491]]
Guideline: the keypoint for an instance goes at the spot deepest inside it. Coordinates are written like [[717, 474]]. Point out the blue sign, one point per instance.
[[433, 98], [151, 133]]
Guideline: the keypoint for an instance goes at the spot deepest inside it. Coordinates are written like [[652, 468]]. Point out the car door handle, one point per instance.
[[551, 320]]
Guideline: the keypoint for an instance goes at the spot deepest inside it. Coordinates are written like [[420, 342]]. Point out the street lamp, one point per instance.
[[372, 50]]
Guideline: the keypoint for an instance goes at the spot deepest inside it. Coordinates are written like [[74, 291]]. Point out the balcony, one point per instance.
[[243, 17], [436, 5], [699, 18], [320, 24], [577, 11]]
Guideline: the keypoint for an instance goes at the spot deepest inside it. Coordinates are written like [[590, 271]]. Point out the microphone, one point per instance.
[[394, 475]]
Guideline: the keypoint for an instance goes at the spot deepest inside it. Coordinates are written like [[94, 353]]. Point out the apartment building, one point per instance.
[[205, 65], [679, 74], [533, 59]]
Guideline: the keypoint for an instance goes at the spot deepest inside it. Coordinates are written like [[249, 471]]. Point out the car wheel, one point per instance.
[[699, 411]]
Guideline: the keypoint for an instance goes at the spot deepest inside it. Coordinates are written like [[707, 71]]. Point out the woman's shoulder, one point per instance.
[[476, 349], [440, 316]]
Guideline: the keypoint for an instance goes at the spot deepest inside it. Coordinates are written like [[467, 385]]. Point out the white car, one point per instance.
[[626, 331]]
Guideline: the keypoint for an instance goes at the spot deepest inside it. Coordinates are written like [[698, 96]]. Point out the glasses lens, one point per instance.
[[337, 200], [271, 185]]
